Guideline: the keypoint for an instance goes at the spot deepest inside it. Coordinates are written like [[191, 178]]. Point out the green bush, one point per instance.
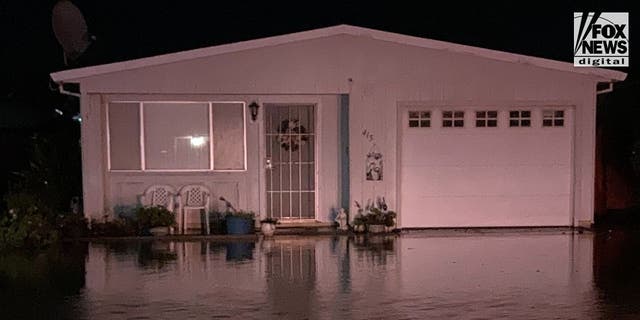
[[72, 226], [114, 228], [26, 223], [151, 217], [26, 230]]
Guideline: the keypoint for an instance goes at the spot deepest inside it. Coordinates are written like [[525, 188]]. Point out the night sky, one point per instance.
[[134, 29]]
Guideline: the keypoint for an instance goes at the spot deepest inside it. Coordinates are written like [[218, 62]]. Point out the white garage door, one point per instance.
[[464, 167]]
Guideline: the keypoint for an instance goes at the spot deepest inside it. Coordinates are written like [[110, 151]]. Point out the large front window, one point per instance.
[[176, 136]]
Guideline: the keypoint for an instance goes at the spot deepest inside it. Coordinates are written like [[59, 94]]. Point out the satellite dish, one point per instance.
[[70, 29]]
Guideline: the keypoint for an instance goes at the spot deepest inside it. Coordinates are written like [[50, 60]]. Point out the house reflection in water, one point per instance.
[[481, 275], [291, 277]]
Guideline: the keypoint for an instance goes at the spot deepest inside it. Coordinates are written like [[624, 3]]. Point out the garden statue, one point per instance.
[[341, 219]]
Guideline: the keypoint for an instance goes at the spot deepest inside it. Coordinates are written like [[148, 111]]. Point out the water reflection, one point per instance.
[[617, 271], [290, 271], [42, 285], [156, 255], [239, 251], [412, 277]]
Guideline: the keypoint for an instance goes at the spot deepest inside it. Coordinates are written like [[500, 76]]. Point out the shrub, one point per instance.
[[72, 226], [26, 230], [114, 228], [151, 217], [25, 224]]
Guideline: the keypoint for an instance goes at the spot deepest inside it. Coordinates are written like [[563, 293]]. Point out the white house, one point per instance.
[[450, 135]]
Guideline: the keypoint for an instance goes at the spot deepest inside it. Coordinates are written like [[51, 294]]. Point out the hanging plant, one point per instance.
[[291, 134]]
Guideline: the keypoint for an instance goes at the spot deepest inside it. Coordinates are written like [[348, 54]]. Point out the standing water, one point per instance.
[[507, 276]]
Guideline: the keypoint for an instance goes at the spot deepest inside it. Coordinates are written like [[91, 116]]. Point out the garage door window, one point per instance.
[[520, 118], [486, 119], [419, 119], [553, 118], [453, 119]]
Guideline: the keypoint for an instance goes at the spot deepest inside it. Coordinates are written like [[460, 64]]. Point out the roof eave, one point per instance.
[[73, 75]]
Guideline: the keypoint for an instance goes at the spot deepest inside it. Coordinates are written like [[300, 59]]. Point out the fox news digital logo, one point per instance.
[[601, 39]]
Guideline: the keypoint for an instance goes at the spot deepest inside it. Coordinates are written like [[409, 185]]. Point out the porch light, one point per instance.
[[253, 107]]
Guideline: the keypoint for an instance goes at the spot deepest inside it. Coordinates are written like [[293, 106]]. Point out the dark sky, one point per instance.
[[133, 29]]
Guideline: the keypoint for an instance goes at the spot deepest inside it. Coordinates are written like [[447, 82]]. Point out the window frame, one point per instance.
[[554, 118], [486, 118], [520, 118], [142, 138], [428, 119], [454, 118]]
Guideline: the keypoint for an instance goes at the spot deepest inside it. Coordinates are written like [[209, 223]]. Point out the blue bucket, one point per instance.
[[237, 225]]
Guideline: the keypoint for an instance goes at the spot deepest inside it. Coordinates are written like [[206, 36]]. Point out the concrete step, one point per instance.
[[305, 228]]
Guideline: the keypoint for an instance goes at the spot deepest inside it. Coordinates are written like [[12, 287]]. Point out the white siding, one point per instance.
[[378, 76]]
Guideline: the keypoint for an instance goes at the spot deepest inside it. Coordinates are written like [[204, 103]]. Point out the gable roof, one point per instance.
[[75, 74]]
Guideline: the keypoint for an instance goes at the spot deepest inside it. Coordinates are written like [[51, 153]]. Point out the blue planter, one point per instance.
[[238, 225]]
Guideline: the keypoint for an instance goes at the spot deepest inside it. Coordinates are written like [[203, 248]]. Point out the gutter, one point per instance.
[[608, 89], [62, 90]]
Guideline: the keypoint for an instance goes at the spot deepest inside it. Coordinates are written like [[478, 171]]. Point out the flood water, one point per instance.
[[414, 276]]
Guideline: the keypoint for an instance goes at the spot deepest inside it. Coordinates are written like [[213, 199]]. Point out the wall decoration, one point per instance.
[[373, 163], [374, 166], [291, 134]]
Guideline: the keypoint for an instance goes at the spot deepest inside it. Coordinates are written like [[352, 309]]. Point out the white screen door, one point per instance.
[[290, 163]]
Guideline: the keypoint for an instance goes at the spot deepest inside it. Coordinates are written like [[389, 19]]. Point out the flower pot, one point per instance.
[[268, 229], [376, 228], [238, 225], [359, 228], [159, 231]]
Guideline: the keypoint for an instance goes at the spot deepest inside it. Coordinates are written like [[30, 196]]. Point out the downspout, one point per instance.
[[608, 89]]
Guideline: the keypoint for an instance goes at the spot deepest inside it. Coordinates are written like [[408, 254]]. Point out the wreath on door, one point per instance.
[[291, 134]]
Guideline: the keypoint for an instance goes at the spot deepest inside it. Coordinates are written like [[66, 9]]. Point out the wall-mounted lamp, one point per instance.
[[253, 107]]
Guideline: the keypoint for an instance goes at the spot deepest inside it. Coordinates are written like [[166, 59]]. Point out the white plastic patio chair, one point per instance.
[[193, 197], [159, 195]]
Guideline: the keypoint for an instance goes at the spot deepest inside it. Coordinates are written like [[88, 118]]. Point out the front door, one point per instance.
[[290, 161]]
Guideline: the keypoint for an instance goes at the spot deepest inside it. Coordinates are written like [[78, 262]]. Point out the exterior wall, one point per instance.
[[105, 190], [93, 156], [378, 76]]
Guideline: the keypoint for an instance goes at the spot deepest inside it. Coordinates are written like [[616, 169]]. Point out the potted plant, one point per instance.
[[379, 221], [359, 223], [268, 226], [374, 217], [156, 220], [239, 222]]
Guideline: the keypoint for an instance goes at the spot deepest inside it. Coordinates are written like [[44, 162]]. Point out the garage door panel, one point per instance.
[[487, 211], [453, 177], [485, 150], [487, 181]]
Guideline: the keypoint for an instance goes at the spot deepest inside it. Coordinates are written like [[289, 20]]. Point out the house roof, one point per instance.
[[73, 75]]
